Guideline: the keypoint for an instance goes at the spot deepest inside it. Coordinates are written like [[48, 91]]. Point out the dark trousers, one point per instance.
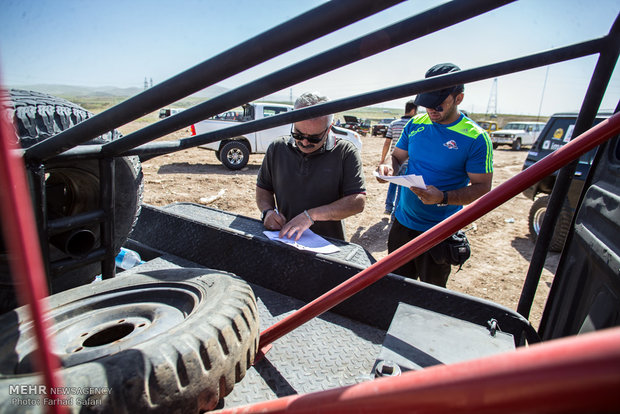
[[423, 266]]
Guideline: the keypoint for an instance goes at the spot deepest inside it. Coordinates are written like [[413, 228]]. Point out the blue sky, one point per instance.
[[119, 43]]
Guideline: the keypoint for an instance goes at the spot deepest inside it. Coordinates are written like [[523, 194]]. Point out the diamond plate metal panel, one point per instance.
[[327, 352]]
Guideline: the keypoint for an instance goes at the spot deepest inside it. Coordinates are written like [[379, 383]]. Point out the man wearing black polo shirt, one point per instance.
[[311, 179]]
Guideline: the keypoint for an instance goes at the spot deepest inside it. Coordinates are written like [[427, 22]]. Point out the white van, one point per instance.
[[517, 134]]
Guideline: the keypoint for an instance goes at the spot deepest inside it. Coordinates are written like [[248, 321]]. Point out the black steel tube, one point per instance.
[[75, 243], [420, 25], [64, 265], [302, 29], [465, 76], [78, 220], [107, 195], [39, 200], [594, 96]]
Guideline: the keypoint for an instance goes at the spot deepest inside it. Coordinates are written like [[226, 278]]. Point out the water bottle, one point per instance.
[[126, 259]]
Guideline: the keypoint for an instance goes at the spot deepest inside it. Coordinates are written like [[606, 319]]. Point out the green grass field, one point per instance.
[[97, 104]]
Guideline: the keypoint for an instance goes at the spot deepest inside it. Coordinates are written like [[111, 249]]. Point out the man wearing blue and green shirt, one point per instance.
[[455, 158]]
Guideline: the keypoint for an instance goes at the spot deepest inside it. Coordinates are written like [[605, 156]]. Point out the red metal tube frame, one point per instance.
[[20, 235], [502, 193], [577, 374]]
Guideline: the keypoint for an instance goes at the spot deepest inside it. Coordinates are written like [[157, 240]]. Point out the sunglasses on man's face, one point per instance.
[[440, 108], [313, 139]]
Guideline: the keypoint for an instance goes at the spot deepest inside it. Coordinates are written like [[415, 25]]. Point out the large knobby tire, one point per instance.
[[72, 187], [516, 145], [163, 341], [562, 227], [234, 155]]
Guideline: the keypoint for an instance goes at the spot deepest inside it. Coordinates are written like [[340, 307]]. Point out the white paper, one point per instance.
[[411, 180], [309, 240]]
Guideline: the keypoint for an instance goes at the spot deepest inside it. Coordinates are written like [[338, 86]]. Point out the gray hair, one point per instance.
[[313, 98]]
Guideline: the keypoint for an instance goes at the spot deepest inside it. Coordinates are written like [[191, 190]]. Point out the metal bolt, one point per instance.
[[386, 368]]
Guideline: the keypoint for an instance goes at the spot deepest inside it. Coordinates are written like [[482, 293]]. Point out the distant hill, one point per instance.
[[113, 91], [105, 91]]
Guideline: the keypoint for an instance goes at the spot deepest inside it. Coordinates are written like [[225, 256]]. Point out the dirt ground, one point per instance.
[[501, 248]]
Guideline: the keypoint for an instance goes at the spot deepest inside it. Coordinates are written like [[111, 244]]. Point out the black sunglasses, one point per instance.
[[313, 139], [440, 108]]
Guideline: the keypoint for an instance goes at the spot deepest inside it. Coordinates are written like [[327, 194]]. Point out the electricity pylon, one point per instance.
[[492, 105]]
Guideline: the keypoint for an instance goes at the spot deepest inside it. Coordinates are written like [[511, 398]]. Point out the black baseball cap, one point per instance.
[[435, 98]]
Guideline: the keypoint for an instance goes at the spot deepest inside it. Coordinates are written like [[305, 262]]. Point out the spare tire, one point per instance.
[[72, 187], [162, 341]]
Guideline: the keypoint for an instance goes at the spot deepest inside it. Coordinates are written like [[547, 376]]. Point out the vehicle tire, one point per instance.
[[72, 187], [536, 216], [495, 145], [516, 145], [234, 155], [162, 341]]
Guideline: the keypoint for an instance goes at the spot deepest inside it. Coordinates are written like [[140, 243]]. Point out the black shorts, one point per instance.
[[422, 267]]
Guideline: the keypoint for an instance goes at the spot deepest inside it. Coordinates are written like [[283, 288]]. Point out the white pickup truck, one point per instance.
[[234, 153], [517, 134]]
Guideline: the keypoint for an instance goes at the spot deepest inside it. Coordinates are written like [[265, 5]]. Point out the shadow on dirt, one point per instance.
[[374, 239], [203, 168], [525, 247]]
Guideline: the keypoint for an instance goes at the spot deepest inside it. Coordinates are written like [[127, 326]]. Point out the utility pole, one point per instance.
[[146, 84], [151, 83], [492, 105]]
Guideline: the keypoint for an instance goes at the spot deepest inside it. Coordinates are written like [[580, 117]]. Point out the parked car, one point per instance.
[[234, 153], [355, 124], [557, 132], [489, 126], [166, 112], [380, 129], [517, 134]]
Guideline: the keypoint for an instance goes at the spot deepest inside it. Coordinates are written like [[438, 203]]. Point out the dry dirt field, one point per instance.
[[501, 248]]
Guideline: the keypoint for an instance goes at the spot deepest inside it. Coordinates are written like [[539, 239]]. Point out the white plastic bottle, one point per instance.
[[126, 259]]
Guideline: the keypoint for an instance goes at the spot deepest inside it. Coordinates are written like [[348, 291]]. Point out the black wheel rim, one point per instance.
[[107, 323]]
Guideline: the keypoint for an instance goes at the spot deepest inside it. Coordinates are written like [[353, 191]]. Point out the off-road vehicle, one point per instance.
[[380, 128], [517, 134], [557, 132]]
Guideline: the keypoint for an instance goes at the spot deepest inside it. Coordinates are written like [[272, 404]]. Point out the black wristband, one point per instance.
[[444, 200], [264, 213]]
